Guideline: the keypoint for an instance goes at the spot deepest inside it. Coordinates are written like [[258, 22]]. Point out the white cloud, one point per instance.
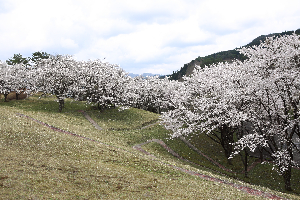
[[68, 43], [157, 36]]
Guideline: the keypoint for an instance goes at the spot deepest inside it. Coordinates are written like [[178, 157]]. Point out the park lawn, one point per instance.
[[39, 163]]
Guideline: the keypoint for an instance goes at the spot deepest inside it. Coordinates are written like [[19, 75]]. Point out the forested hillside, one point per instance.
[[222, 56]]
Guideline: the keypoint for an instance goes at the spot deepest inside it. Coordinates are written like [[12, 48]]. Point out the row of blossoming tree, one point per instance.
[[93, 81], [245, 106], [258, 100]]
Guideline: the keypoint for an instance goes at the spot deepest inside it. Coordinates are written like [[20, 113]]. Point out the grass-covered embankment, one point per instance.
[[39, 163]]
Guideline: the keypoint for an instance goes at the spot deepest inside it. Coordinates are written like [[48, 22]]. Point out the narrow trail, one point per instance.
[[90, 120], [138, 147], [215, 162], [144, 127]]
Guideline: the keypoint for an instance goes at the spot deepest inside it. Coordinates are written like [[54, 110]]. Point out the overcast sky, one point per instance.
[[141, 36]]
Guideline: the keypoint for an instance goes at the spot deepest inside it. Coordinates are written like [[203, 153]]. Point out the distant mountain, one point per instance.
[[223, 56], [144, 75]]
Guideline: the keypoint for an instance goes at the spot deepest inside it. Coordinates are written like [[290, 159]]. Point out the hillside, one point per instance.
[[229, 55], [49, 155], [38, 162]]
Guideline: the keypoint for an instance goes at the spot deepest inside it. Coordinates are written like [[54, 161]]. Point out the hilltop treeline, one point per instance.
[[222, 56]]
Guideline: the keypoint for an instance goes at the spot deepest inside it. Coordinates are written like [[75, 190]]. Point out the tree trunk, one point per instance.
[[288, 173], [61, 104], [287, 178], [226, 141], [246, 163], [261, 155], [5, 97]]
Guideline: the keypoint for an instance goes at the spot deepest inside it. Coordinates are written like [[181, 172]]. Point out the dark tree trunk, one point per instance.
[[5, 97], [261, 155], [288, 173], [287, 178], [226, 141], [246, 163], [61, 104]]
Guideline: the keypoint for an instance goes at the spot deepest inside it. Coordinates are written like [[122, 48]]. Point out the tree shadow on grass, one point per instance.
[[45, 104], [261, 174], [128, 119]]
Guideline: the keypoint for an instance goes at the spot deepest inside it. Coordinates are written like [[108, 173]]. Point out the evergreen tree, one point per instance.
[[18, 59]]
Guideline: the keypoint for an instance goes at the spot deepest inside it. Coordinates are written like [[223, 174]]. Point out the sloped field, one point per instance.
[[37, 162]]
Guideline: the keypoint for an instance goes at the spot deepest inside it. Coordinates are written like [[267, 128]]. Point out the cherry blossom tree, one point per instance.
[[15, 78], [93, 81], [57, 75], [258, 99], [274, 67], [4, 80], [151, 93], [144, 92], [210, 105], [101, 83]]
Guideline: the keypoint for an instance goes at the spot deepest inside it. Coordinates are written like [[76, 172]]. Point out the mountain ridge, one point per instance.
[[222, 56], [143, 75]]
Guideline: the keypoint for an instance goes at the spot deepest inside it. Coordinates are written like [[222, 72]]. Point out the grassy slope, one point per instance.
[[262, 174], [39, 163]]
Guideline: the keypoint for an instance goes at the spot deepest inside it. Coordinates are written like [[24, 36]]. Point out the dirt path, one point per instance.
[[139, 147], [214, 162], [144, 127], [90, 120]]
